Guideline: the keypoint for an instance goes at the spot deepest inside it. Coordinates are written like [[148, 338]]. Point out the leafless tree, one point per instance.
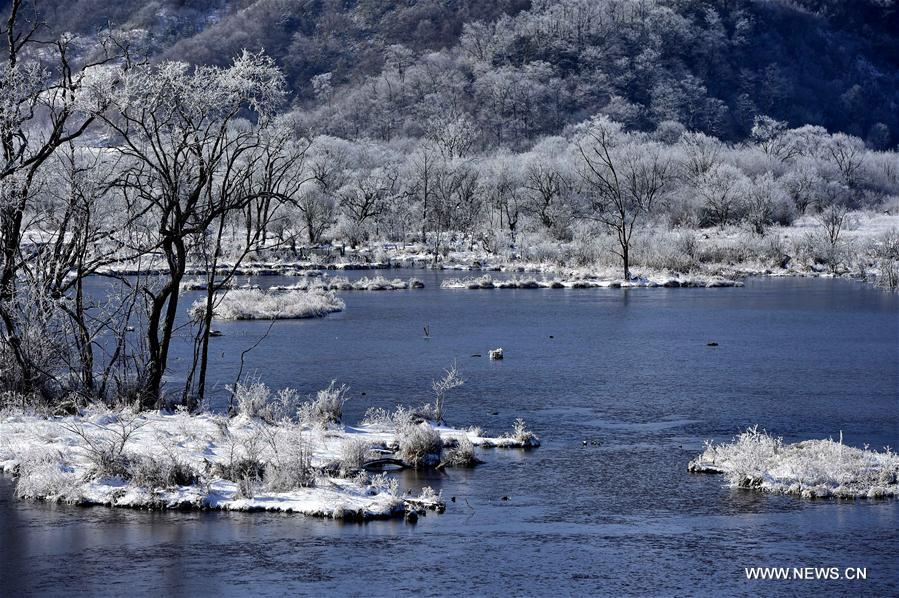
[[180, 133], [624, 180], [43, 109]]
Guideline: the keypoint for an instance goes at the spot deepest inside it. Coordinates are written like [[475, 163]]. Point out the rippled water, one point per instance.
[[629, 369]]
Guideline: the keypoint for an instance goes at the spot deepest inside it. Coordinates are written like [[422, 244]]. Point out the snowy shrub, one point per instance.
[[379, 417], [246, 487], [354, 452], [254, 400], [590, 245], [104, 443], [538, 247], [522, 435], [291, 466], [250, 399], [676, 252], [460, 455], [378, 483], [451, 379], [888, 275], [420, 445], [748, 456], [885, 251], [429, 499], [326, 408], [261, 305], [245, 464], [46, 475], [155, 473]]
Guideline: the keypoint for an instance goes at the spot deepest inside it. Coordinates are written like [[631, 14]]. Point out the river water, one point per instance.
[[627, 370]]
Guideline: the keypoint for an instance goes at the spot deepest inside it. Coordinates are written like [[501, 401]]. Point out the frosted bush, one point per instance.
[[376, 484], [522, 435], [103, 442], [262, 305], [812, 469], [450, 380], [326, 408], [354, 452], [676, 252], [154, 473], [420, 445], [461, 455], [291, 465], [748, 456], [46, 475], [255, 400], [379, 417], [250, 399]]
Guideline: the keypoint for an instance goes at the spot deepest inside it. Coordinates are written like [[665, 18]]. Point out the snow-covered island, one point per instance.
[[810, 469], [586, 281], [342, 283], [274, 454], [270, 305]]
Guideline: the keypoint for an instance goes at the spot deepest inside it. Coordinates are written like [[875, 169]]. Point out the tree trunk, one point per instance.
[[84, 340], [167, 300], [12, 225]]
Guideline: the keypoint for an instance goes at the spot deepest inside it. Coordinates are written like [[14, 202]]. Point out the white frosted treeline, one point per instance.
[[270, 305], [811, 469]]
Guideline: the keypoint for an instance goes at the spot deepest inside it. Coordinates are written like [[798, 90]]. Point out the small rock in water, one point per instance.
[[494, 413], [551, 336], [496, 353], [505, 498], [711, 344], [453, 498], [411, 517], [363, 394], [585, 443]]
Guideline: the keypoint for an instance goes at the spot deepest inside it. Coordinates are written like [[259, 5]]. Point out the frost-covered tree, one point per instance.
[[721, 189], [624, 176], [180, 131], [766, 202], [42, 108]]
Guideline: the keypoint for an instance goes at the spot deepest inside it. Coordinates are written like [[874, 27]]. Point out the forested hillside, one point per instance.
[[521, 69]]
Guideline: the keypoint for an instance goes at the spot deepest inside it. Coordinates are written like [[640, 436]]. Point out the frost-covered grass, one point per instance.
[[263, 458], [262, 305], [811, 469]]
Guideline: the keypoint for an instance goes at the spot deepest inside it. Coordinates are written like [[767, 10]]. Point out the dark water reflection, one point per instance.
[[630, 369]]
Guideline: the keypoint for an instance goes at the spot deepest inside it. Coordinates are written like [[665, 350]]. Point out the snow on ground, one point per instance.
[[270, 305], [208, 461], [811, 469]]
